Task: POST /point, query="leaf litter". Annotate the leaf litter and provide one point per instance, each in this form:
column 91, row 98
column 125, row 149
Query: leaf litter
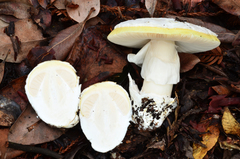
column 205, row 123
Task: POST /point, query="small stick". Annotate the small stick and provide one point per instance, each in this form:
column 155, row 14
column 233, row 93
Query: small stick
column 33, row 149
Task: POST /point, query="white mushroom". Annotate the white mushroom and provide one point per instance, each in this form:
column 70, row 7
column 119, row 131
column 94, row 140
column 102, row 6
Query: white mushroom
column 105, row 112
column 53, row 90
column 160, row 39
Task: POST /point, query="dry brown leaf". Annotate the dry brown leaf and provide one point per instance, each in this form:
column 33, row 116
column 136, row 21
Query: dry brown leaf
column 81, row 12
column 187, row 61
column 7, row 153
column 209, row 139
column 2, row 68
column 30, row 130
column 229, row 123
column 229, row 143
column 150, row 6
column 230, row 6
column 62, row 43
column 29, row 36
column 221, row 90
column 13, row 89
column 18, row 10
column 9, row 111
column 59, row 4
column 92, row 55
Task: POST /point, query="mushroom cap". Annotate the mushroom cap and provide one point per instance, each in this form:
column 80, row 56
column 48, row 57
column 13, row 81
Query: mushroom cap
column 188, row 37
column 53, row 90
column 105, row 112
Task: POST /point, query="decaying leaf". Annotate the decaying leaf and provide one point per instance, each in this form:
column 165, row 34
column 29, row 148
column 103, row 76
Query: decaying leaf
column 229, row 123
column 18, row 10
column 30, row 130
column 187, row 61
column 29, row 36
column 209, row 139
column 13, row 89
column 2, row 68
column 150, row 6
column 92, row 55
column 9, row 111
column 78, row 10
column 7, row 153
column 221, row 89
column 230, row 6
column 219, row 101
column 229, row 144
column 64, row 40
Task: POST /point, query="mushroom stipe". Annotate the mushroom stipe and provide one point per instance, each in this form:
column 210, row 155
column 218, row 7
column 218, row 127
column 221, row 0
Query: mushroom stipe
column 160, row 40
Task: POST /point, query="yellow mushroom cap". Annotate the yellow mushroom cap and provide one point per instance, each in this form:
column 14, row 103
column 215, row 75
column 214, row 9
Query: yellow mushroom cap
column 188, row 37
column 105, row 112
column 53, row 90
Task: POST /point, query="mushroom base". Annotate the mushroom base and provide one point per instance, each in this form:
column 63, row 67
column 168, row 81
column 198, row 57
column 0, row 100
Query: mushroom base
column 149, row 109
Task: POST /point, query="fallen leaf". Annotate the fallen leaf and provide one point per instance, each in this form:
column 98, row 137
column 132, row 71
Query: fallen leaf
column 158, row 145
column 229, row 123
column 91, row 53
column 221, row 90
column 201, row 126
column 38, row 55
column 151, row 6
column 229, row 144
column 219, row 101
column 7, row 153
column 9, row 111
column 80, row 13
column 187, row 61
column 2, row 67
column 62, row 43
column 30, row 130
column 29, row 36
column 230, row 6
column 43, row 18
column 224, row 35
column 209, row 139
column 18, row 10
column 43, row 3
column 11, row 91
column 59, row 4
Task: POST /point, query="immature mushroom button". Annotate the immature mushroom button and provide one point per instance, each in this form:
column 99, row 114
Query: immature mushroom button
column 160, row 39
column 105, row 112
column 53, row 90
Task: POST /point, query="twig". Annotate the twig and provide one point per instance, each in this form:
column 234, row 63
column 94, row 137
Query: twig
column 214, row 70
column 33, row 149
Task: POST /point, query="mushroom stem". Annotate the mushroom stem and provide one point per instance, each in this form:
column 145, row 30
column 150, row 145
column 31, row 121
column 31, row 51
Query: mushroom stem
column 160, row 67
column 161, row 90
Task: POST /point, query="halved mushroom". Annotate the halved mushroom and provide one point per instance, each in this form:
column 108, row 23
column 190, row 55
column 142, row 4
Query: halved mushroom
column 160, row 39
column 53, row 90
column 105, row 112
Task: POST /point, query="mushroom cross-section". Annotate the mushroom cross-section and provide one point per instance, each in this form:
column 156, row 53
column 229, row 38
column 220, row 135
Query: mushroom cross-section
column 105, row 113
column 53, row 90
column 160, row 39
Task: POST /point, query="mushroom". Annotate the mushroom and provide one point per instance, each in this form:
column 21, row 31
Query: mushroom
column 105, row 114
column 160, row 39
column 53, row 90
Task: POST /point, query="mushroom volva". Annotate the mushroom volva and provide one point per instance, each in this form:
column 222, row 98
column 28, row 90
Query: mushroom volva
column 53, row 90
column 160, row 40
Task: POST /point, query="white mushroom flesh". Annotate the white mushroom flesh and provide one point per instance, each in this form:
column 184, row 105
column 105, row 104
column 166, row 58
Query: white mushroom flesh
column 53, row 90
column 105, row 112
